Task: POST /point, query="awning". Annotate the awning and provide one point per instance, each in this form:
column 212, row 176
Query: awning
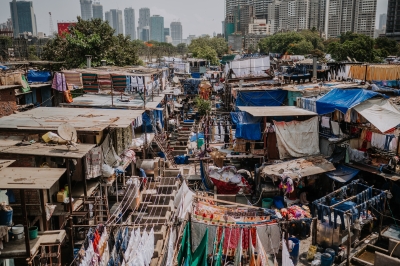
column 343, row 173
column 276, row 111
column 380, row 112
column 300, row 167
column 343, row 100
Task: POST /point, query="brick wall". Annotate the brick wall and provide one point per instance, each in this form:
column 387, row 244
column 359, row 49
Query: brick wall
column 20, row 160
column 8, row 103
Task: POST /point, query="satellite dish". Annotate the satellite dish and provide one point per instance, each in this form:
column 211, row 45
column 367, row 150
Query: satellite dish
column 176, row 80
column 69, row 134
column 349, row 59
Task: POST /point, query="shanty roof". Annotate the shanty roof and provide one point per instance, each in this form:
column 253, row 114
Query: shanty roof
column 5, row 163
column 261, row 111
column 105, row 101
column 29, row 178
column 300, row 167
column 84, row 120
column 8, row 145
column 128, row 71
column 6, row 87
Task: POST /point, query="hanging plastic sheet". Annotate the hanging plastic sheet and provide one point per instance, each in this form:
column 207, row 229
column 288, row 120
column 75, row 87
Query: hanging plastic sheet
column 147, row 125
column 343, row 100
column 343, row 173
column 191, row 86
column 247, row 126
column 39, row 76
column 297, row 138
column 261, row 98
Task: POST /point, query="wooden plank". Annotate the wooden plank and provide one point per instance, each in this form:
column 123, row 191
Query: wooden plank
column 29, row 178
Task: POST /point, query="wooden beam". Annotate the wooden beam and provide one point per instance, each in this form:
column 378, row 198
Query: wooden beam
column 228, row 202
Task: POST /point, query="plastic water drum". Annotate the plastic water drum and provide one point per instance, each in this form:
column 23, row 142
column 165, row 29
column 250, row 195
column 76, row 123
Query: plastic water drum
column 295, row 250
column 279, row 202
column 332, row 252
column 267, row 203
column 326, row 259
column 6, row 217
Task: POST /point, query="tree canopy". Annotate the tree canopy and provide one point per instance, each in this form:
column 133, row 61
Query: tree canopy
column 92, row 37
column 208, row 48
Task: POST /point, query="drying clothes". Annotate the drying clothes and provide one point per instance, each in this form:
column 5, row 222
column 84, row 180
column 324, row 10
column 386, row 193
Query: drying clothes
column 325, row 122
column 73, row 78
column 262, row 257
column 378, row 141
column 110, row 156
column 199, row 257
column 185, row 250
column 286, row 261
column 336, row 129
column 232, row 236
column 356, row 155
column 270, row 238
column 198, row 231
column 90, row 83
column 239, row 250
column 119, row 82
column 59, row 82
column 171, row 247
column 183, row 200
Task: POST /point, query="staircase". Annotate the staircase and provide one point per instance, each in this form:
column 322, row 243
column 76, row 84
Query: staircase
column 156, row 210
column 163, row 147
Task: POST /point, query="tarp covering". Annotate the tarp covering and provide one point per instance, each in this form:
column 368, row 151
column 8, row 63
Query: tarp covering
column 343, row 100
column 255, row 67
column 276, row 111
column 300, row 167
column 297, row 138
column 379, row 112
column 191, row 86
column 39, row 76
column 261, row 98
column 343, row 173
column 247, row 126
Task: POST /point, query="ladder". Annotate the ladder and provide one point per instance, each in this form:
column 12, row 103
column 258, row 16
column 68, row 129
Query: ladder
column 168, row 155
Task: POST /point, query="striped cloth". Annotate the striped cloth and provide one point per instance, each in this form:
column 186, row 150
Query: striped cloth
column 104, row 80
column 73, row 78
column 119, row 82
column 90, row 83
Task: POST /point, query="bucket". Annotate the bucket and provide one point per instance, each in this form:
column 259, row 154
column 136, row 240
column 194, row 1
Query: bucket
column 200, row 143
column 267, row 203
column 33, row 232
column 295, row 250
column 6, row 217
column 332, row 252
column 279, row 202
column 17, row 229
column 326, row 259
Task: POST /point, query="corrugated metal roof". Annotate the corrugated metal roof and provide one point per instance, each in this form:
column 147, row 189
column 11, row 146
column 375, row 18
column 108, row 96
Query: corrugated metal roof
column 261, row 111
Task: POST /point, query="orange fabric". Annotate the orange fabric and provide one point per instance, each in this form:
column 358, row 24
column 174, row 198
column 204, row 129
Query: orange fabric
column 68, row 96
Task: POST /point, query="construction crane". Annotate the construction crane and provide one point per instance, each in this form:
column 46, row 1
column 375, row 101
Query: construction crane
column 51, row 29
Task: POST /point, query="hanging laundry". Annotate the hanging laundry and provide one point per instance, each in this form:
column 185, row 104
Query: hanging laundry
column 185, row 250
column 199, row 257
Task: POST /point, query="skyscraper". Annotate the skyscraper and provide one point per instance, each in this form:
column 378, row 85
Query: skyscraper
column 86, row 9
column 176, row 32
column 23, row 17
column 114, row 18
column 144, row 23
column 382, row 21
column 157, row 28
column 166, row 32
column 97, row 11
column 393, row 20
column 130, row 23
column 364, row 17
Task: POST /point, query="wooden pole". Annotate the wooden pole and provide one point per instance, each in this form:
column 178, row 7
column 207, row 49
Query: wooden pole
column 348, row 239
column 25, row 216
column 228, row 202
column 43, row 206
column 71, row 232
column 381, row 220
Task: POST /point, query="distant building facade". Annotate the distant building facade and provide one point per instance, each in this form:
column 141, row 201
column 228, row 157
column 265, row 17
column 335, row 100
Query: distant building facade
column 157, row 28
column 115, row 19
column 97, row 11
column 393, row 20
column 86, row 9
column 23, row 17
column 143, row 30
column 176, row 32
column 130, row 23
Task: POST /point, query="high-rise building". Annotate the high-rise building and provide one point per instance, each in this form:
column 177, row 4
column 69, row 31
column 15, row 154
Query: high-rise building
column 23, row 17
column 382, row 21
column 230, row 5
column 364, row 17
column 130, row 23
column 97, row 11
column 114, row 18
column 176, row 32
column 261, row 8
column 393, row 20
column 157, row 28
column 86, row 9
column 166, row 32
column 144, row 24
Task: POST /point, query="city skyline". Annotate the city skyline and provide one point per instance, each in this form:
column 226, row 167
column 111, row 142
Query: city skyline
column 205, row 22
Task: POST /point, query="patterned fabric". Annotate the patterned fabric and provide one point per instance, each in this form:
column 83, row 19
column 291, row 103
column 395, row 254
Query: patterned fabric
column 119, row 82
column 94, row 162
column 59, row 82
column 90, row 83
column 73, row 78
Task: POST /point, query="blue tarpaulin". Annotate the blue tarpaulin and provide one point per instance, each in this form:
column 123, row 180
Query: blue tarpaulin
column 343, row 173
column 343, row 100
column 261, row 98
column 247, row 126
column 195, row 136
column 157, row 115
column 39, row 76
column 191, row 86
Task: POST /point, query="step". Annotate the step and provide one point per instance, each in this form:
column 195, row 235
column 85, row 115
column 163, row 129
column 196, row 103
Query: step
column 166, row 189
column 168, row 180
column 162, row 199
column 154, row 262
column 154, row 219
column 159, row 209
column 171, row 172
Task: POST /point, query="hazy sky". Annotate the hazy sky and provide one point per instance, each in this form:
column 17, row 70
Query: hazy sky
column 197, row 17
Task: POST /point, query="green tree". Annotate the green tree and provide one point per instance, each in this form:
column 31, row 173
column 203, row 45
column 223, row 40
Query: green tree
column 218, row 45
column 91, row 37
column 203, row 106
column 280, row 42
column 207, row 53
column 353, row 45
column 182, row 48
column 386, row 47
column 301, row 48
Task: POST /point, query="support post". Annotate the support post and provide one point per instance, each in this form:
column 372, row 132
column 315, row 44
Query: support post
column 43, row 206
column 71, row 232
column 348, row 239
column 25, row 217
column 381, row 220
